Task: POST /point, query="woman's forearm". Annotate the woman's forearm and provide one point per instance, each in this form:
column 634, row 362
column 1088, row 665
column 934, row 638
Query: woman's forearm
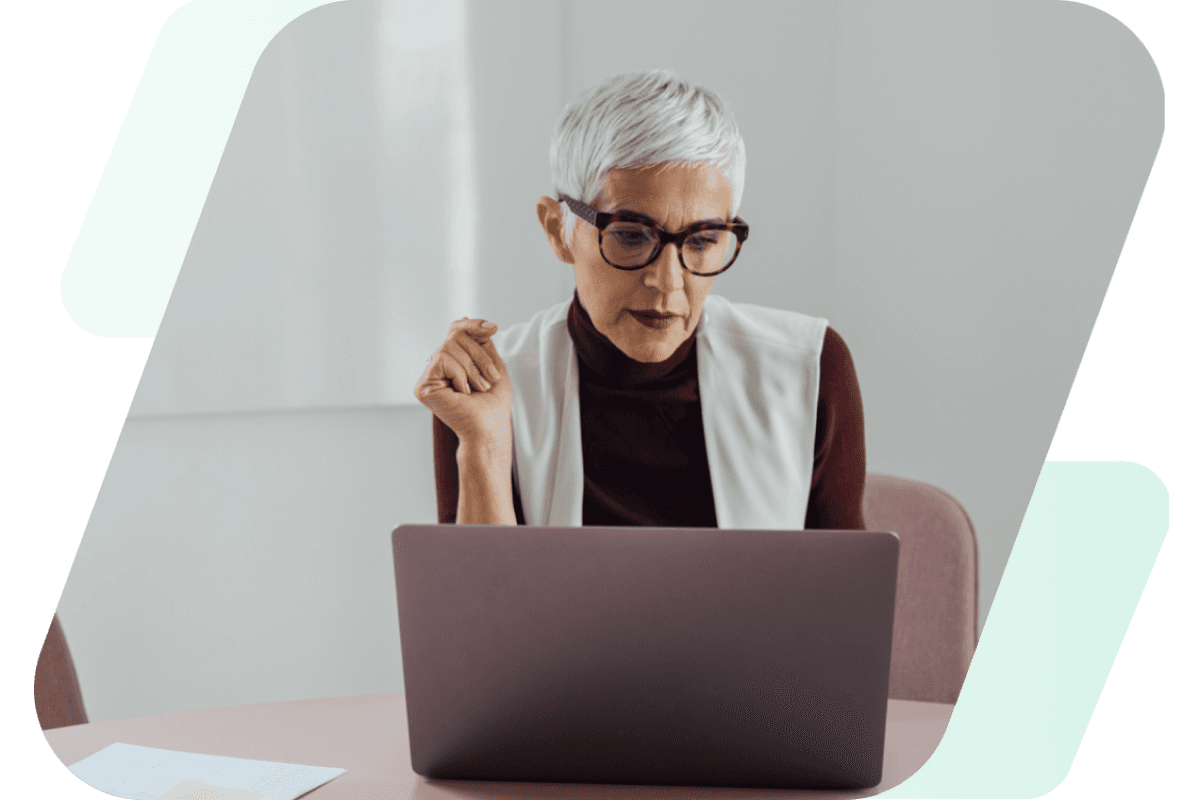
column 485, row 483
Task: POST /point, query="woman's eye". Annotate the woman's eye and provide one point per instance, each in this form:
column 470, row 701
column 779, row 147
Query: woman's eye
column 631, row 238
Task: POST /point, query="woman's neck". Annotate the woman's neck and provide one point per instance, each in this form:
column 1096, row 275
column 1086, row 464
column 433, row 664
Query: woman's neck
column 607, row 362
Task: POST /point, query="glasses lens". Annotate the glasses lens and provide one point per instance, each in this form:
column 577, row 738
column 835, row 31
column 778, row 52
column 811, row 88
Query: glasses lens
column 628, row 244
column 707, row 252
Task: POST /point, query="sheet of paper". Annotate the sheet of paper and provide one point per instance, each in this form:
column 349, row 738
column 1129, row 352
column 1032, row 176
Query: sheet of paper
column 143, row 773
column 199, row 790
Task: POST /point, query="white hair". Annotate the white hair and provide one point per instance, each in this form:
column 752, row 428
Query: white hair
column 642, row 119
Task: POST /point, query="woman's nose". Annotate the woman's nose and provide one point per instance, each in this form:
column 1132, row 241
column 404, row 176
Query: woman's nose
column 665, row 273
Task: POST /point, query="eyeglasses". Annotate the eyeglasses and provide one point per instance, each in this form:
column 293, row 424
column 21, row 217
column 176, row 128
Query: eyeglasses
column 629, row 240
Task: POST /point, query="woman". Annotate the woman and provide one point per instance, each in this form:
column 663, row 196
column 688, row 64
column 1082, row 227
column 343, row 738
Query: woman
column 591, row 413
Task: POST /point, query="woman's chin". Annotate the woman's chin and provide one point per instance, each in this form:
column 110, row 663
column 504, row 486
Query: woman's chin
column 646, row 344
column 651, row 352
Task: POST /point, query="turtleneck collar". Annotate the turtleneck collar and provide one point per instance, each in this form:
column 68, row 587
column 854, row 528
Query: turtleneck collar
column 605, row 360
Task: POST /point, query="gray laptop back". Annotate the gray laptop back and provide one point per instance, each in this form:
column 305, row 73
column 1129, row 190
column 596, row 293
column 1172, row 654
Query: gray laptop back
column 646, row 655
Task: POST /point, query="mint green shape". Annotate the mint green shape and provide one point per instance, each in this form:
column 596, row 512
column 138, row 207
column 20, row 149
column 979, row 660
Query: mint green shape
column 1089, row 539
column 122, row 269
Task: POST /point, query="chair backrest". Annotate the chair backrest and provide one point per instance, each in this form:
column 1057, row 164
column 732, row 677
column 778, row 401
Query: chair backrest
column 445, row 472
column 937, row 593
column 56, row 692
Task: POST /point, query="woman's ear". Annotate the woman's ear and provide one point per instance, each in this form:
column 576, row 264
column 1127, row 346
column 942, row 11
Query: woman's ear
column 550, row 216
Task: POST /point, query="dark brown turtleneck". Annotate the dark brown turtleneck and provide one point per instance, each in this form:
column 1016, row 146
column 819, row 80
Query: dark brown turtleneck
column 644, row 459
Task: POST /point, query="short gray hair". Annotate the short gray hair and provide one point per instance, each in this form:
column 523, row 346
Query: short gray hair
column 641, row 119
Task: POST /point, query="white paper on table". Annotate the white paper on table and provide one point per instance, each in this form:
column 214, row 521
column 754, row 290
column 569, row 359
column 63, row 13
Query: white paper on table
column 199, row 790
column 143, row 773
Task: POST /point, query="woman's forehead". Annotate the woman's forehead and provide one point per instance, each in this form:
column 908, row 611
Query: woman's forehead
column 678, row 191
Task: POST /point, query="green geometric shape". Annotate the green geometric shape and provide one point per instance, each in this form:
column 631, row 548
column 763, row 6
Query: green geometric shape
column 1085, row 550
column 123, row 266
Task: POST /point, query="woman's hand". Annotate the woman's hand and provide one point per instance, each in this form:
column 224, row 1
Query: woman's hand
column 466, row 385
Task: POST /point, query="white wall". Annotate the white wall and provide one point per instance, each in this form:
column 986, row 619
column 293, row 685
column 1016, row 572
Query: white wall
column 246, row 558
column 518, row 93
column 948, row 183
column 239, row 550
column 326, row 264
column 990, row 158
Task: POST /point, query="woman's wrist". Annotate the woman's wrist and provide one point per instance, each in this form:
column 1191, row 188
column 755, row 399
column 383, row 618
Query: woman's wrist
column 485, row 481
column 488, row 452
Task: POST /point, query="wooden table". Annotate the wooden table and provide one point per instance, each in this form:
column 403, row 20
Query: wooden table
column 368, row 736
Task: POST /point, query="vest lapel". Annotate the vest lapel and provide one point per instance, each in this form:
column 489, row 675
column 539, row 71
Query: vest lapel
column 548, row 451
column 758, row 405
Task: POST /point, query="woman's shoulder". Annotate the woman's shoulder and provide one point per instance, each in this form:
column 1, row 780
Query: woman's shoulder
column 836, row 363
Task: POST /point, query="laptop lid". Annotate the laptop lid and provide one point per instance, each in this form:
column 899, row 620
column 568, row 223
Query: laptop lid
column 646, row 655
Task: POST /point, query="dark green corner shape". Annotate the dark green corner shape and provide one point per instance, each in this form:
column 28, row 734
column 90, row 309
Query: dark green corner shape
column 1090, row 536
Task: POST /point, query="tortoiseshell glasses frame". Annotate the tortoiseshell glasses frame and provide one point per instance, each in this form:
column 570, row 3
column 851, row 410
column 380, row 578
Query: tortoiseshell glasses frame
column 601, row 220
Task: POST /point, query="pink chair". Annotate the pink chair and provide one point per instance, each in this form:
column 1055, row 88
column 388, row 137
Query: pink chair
column 56, row 692
column 937, row 594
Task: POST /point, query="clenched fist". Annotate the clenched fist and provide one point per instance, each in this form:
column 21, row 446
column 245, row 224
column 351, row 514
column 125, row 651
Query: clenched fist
column 466, row 384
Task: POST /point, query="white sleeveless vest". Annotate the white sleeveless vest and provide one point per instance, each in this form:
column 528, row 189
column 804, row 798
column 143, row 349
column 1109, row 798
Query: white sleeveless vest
column 759, row 372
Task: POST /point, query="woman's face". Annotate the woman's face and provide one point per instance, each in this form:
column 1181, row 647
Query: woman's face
column 620, row 301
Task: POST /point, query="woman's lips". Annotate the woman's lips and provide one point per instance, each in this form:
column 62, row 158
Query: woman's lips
column 653, row 319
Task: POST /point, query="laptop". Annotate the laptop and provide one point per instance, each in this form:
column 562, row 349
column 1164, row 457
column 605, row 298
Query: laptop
column 747, row 658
